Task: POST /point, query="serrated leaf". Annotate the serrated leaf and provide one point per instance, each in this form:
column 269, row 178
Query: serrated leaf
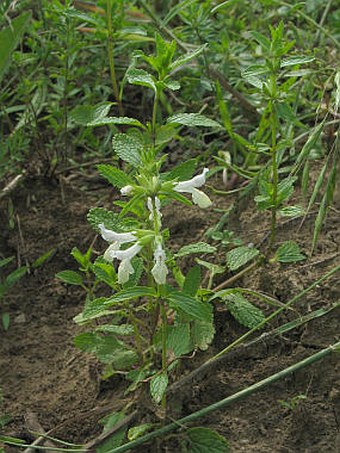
column 107, row 348
column 137, row 431
column 239, row 256
column 193, row 119
column 203, row 440
column 285, row 189
column 85, row 114
column 202, row 333
column 298, row 59
column 198, row 247
column 115, row 176
column 115, row 120
column 183, row 171
column 70, row 277
column 108, row 218
column 128, row 148
column 178, row 339
column 292, row 211
column 158, row 386
column 140, row 77
column 122, row 329
column 192, row 281
column 289, row 252
column 193, row 308
column 243, row 311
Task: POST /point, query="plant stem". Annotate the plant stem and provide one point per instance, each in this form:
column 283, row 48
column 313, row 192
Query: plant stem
column 154, row 118
column 230, row 399
column 111, row 58
column 275, row 173
column 164, row 346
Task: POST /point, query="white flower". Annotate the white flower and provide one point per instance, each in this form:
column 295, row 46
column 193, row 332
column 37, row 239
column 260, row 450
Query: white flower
column 125, row 268
column 159, row 271
column 154, row 207
column 112, row 236
column 125, row 256
column 190, row 186
column 126, row 190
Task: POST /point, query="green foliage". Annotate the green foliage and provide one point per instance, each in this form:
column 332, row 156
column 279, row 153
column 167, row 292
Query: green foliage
column 158, row 385
column 243, row 311
column 199, row 247
column 289, row 252
column 240, row 256
column 10, row 38
column 201, row 440
column 6, row 283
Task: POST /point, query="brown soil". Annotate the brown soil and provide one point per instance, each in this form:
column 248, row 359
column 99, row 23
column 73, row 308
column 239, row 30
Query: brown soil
column 44, row 376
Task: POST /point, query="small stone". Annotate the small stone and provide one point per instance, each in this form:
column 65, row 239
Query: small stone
column 20, row 319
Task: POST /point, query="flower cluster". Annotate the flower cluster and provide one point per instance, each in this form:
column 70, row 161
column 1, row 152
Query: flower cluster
column 159, row 270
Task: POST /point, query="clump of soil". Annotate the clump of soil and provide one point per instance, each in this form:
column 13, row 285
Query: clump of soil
column 43, row 374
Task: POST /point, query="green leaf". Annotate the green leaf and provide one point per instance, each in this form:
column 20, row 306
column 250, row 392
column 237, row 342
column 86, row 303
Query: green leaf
column 193, row 308
column 261, row 39
column 5, row 261
column 158, row 386
column 85, row 114
column 193, row 120
column 309, row 145
column 16, row 275
column 213, row 268
column 122, row 329
column 202, row 333
column 137, row 431
column 178, row 339
column 108, row 218
column 141, row 77
column 203, row 440
column 298, row 59
column 116, row 177
column 285, row 189
column 70, row 277
column 182, row 172
column 9, row 39
column 132, row 293
column 115, row 120
column 107, row 348
column 188, row 57
column 43, row 258
column 116, row 439
column 82, row 259
column 239, row 256
column 192, row 281
column 291, row 211
column 289, row 252
column 198, row 247
column 243, row 311
column 128, row 148
column 5, row 321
